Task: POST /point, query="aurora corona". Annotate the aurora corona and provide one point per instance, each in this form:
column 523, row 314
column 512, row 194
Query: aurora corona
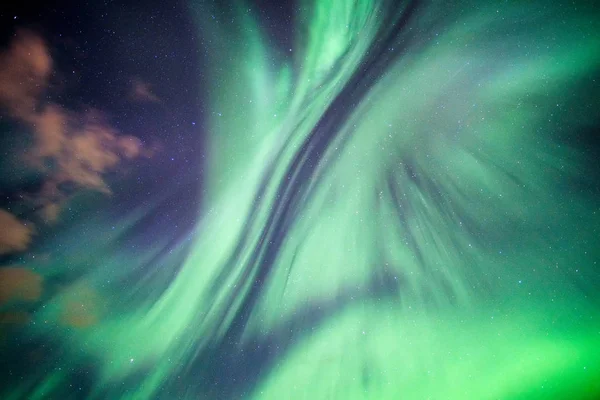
column 401, row 204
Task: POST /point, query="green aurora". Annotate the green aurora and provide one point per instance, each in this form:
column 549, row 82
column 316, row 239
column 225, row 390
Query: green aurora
column 400, row 206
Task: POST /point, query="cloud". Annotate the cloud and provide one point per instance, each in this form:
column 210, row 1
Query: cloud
column 14, row 235
column 50, row 211
column 50, row 130
column 24, row 71
column 80, row 307
column 141, row 91
column 19, row 284
column 14, row 317
column 88, row 153
column 73, row 149
column 78, row 149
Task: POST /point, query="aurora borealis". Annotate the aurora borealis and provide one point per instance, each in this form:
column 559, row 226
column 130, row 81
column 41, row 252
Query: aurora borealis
column 326, row 199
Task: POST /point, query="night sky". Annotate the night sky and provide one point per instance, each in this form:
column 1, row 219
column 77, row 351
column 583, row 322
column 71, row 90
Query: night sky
column 311, row 199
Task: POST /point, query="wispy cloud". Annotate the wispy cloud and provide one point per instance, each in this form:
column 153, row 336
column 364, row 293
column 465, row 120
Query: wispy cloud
column 142, row 92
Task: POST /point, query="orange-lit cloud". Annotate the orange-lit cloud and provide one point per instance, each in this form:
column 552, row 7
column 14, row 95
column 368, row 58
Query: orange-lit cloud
column 69, row 147
column 81, row 307
column 14, row 234
column 14, row 317
column 50, row 129
column 49, row 211
column 19, row 284
column 82, row 155
column 24, row 71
